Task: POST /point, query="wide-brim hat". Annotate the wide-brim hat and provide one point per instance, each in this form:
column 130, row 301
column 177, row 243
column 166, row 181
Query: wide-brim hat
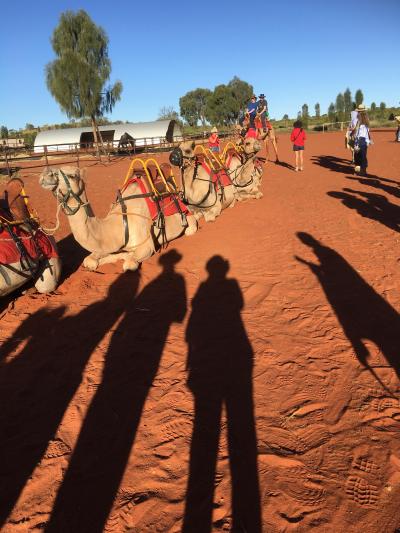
column 261, row 95
column 214, row 130
column 361, row 107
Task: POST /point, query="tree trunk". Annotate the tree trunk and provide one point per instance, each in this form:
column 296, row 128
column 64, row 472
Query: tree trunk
column 97, row 137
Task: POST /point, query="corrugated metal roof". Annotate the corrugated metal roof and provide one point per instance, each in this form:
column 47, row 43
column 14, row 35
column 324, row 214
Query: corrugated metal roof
column 151, row 131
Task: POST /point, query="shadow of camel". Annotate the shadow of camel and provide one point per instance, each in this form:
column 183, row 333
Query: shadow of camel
column 376, row 183
column 220, row 363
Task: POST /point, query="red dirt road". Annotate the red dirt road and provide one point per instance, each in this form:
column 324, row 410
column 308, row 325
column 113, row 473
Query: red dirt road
column 260, row 398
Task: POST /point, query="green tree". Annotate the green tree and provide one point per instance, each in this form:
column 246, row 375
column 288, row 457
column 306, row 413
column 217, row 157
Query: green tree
column 222, row 107
column 167, row 113
column 29, row 126
column 382, row 109
column 285, row 117
column 331, row 112
column 348, row 102
column 77, row 78
column 359, row 97
column 3, row 132
column 242, row 91
column 193, row 106
column 305, row 115
column 317, row 110
column 340, row 106
column 373, row 110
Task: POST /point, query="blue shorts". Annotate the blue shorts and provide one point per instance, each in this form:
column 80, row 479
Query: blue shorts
column 296, row 148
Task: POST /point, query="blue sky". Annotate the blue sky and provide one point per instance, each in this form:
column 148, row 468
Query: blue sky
column 294, row 51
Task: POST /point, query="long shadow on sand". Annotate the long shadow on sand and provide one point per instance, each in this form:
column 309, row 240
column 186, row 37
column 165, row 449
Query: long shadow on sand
column 336, row 164
column 37, row 385
column 379, row 183
column 220, row 363
column 370, row 205
column 108, row 432
column 362, row 312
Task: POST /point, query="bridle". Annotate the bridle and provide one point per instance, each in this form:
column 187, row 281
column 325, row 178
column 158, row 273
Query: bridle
column 63, row 198
column 211, row 187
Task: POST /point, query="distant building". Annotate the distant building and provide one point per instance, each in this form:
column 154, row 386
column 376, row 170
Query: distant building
column 143, row 134
column 12, row 143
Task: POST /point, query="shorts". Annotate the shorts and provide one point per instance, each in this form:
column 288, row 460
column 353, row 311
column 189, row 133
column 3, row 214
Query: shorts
column 297, row 148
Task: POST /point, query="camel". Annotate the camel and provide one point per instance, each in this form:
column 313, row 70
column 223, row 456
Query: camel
column 245, row 169
column 269, row 135
column 26, row 252
column 205, row 191
column 129, row 232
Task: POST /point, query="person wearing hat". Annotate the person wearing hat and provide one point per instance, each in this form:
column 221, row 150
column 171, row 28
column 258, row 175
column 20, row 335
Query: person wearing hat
column 213, row 140
column 362, row 139
column 262, row 111
column 252, row 110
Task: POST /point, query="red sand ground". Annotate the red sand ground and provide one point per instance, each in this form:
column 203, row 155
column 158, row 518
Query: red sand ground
column 108, row 421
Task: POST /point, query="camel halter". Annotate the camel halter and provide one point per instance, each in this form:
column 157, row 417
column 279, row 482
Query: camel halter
column 64, row 198
column 195, row 177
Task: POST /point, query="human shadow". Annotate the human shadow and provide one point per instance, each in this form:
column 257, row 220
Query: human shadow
column 285, row 165
column 370, row 205
column 376, row 183
column 38, row 384
column 336, row 164
column 220, row 364
column 108, row 432
column 361, row 311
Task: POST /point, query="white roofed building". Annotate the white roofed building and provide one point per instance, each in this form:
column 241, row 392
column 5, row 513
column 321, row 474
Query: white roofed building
column 143, row 133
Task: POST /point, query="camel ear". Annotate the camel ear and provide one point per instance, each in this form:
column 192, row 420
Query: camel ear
column 193, row 145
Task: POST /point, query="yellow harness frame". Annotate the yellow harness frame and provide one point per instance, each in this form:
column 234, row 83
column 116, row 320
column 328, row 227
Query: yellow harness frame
column 144, row 165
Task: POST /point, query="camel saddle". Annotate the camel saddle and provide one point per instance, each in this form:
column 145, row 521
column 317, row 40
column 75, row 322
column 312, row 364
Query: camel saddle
column 12, row 206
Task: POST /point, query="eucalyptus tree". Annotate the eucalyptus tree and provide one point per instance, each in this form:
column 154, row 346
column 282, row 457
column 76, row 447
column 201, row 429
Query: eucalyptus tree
column 78, row 77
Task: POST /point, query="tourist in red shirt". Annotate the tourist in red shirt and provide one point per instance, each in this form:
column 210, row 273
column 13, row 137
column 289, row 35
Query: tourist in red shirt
column 298, row 136
column 213, row 140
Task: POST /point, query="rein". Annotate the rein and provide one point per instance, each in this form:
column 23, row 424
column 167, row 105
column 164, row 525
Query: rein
column 195, row 177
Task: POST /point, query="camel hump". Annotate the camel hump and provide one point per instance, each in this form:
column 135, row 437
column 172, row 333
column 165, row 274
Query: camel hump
column 15, row 199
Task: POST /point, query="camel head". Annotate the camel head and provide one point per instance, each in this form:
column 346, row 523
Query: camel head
column 251, row 145
column 61, row 180
column 182, row 155
column 67, row 185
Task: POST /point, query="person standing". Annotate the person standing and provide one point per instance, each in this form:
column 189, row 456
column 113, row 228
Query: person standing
column 298, row 136
column 397, row 119
column 362, row 140
column 213, row 141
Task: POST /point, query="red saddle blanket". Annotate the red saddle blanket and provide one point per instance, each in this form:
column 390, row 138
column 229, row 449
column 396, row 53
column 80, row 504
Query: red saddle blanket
column 36, row 245
column 167, row 204
column 219, row 178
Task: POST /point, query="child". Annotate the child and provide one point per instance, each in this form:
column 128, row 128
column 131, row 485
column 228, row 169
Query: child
column 298, row 136
column 213, row 140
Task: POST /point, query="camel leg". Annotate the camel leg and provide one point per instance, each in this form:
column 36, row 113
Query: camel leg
column 192, row 226
column 48, row 280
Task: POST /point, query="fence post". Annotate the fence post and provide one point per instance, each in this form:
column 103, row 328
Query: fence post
column 45, row 155
column 77, row 155
column 8, row 166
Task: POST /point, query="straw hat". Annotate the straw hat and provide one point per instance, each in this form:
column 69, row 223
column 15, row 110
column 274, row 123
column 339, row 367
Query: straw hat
column 361, row 107
column 214, row 130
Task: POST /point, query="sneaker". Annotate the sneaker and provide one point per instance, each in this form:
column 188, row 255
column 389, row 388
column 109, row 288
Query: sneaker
column 296, row 169
column 301, row 168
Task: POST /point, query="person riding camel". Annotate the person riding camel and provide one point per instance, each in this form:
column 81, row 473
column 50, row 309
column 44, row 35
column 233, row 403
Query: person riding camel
column 252, row 111
column 213, row 140
column 262, row 111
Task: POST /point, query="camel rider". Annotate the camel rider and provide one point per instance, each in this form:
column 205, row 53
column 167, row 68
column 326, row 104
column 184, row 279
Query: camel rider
column 252, row 110
column 397, row 119
column 262, row 111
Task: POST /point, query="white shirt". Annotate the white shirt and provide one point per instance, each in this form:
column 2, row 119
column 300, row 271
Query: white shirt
column 354, row 118
column 363, row 131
